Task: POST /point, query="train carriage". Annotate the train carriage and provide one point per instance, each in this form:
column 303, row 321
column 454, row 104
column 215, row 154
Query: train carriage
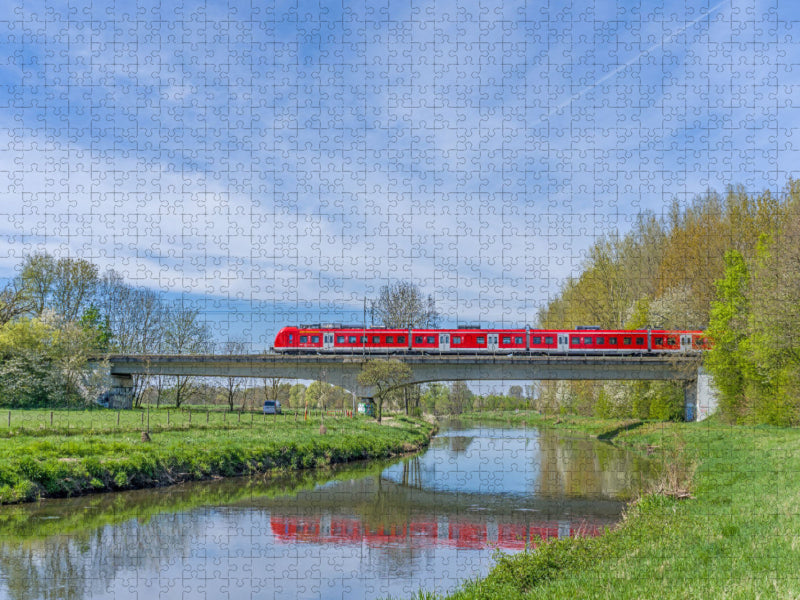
column 474, row 340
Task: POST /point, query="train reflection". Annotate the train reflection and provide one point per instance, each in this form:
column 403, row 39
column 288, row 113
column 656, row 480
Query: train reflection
column 442, row 532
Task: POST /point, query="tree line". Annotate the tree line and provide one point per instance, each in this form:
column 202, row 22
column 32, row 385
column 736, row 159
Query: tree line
column 58, row 312
column 725, row 263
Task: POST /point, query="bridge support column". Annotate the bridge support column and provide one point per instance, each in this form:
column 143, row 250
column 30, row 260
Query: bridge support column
column 706, row 395
column 699, row 397
column 121, row 393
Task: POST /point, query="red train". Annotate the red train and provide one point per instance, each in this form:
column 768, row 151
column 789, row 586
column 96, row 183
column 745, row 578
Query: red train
column 470, row 340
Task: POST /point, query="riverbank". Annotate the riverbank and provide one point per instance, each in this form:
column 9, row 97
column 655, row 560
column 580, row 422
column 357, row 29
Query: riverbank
column 723, row 521
column 70, row 453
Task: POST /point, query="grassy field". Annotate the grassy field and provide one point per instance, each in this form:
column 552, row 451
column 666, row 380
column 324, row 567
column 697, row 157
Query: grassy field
column 65, row 453
column 736, row 536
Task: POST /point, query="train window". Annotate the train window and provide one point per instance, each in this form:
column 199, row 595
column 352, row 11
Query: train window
column 401, row 339
column 291, row 337
column 517, row 340
column 376, row 339
column 672, row 341
column 548, row 339
column 506, row 339
column 363, row 339
column 626, row 341
column 480, row 340
column 612, row 341
column 340, row 339
column 303, row 339
column 576, row 341
column 537, row 339
column 430, row 340
column 315, row 339
column 587, row 341
column 390, row 339
column 417, row 339
column 600, row 340
column 658, row 341
column 351, row 339
column 639, row 341
column 456, row 339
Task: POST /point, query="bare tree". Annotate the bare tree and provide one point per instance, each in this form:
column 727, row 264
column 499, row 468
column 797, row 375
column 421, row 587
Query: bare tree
column 233, row 383
column 185, row 334
column 136, row 315
column 137, row 318
column 401, row 305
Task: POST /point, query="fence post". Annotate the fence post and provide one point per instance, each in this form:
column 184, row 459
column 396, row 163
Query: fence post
column 208, row 412
column 118, row 411
column 9, row 419
column 167, row 417
column 51, row 419
column 190, row 416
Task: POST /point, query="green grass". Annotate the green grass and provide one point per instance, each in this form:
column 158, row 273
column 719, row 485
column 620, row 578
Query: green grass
column 86, row 451
column 599, row 428
column 738, row 536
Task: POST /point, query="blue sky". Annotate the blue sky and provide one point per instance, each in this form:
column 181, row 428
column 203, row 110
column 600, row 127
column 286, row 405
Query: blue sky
column 283, row 160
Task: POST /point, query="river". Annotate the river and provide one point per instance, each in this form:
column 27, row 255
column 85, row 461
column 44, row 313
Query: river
column 359, row 531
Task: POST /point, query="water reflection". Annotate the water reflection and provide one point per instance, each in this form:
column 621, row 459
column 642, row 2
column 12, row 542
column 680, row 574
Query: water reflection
column 363, row 531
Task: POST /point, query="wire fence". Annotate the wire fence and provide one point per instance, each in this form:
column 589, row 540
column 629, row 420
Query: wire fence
column 76, row 421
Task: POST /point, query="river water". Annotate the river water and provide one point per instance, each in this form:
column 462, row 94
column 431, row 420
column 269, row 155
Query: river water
column 360, row 531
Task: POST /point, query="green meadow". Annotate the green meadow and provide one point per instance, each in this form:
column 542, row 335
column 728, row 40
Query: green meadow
column 67, row 453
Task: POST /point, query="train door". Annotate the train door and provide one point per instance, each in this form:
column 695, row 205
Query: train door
column 327, row 341
column 491, row 340
column 444, row 341
column 686, row 343
column 563, row 342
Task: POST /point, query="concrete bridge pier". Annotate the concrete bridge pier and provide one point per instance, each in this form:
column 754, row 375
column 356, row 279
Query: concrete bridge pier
column 699, row 397
column 121, row 393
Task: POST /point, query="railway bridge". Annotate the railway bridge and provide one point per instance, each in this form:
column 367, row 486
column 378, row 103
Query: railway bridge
column 343, row 370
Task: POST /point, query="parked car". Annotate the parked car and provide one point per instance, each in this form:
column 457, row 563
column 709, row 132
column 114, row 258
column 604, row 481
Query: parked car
column 272, row 407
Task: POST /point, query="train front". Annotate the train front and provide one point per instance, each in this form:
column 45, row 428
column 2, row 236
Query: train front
column 286, row 340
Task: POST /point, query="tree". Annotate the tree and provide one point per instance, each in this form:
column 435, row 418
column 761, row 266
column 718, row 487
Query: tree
column 136, row 316
column 297, row 396
column 385, row 376
column 42, row 364
column 774, row 342
column 14, row 302
column 233, row 383
column 436, row 399
column 185, row 334
column 728, row 330
column 65, row 285
column 317, row 394
column 401, row 305
column 461, row 397
column 37, row 278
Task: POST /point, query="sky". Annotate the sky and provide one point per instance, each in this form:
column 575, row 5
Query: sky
column 276, row 163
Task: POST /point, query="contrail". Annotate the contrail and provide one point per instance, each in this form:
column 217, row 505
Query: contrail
column 638, row 56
